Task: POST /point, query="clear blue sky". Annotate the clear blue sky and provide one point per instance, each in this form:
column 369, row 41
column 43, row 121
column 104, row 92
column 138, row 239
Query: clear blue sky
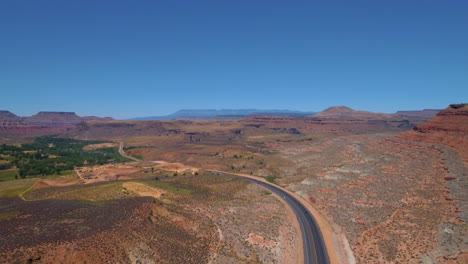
column 138, row 58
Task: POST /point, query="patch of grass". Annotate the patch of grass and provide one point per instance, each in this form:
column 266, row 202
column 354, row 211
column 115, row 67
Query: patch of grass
column 106, row 191
column 170, row 187
column 86, row 201
column 99, row 203
column 8, row 215
column 8, row 175
column 271, row 179
column 14, row 188
column 12, row 192
column 68, row 174
column 140, row 157
column 85, row 193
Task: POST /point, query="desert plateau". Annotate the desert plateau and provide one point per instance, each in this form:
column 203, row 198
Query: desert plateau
column 384, row 188
column 233, row 132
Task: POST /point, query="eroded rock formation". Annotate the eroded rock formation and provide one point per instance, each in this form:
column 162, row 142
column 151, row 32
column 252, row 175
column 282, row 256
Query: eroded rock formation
column 449, row 127
column 42, row 122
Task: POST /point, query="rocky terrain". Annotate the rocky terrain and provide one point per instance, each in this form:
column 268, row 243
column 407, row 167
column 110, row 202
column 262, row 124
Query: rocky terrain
column 389, row 196
column 346, row 113
column 185, row 218
column 200, row 131
column 426, row 113
column 312, row 125
column 53, row 119
column 399, row 198
column 393, row 186
column 335, row 119
column 6, row 116
column 396, row 200
column 449, row 127
column 11, row 124
column 41, row 123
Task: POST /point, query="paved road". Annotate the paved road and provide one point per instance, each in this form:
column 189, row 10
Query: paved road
column 314, row 246
column 315, row 251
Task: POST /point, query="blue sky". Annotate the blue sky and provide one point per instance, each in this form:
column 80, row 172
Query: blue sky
column 139, row 58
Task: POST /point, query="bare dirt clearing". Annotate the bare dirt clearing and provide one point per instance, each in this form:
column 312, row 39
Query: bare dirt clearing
column 143, row 190
column 108, row 172
column 57, row 182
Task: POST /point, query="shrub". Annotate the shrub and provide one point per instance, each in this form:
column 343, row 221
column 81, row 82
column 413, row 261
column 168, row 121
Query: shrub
column 271, row 179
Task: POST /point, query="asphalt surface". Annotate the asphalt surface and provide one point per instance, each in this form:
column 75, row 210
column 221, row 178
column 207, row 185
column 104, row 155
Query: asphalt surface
column 315, row 251
column 314, row 247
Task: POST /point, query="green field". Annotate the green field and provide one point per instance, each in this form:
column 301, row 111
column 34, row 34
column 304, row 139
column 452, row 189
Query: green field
column 50, row 155
column 14, row 188
column 90, row 193
column 8, row 175
column 8, row 215
column 168, row 186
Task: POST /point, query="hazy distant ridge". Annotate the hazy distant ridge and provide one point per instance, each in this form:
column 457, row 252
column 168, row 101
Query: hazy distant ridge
column 421, row 113
column 212, row 113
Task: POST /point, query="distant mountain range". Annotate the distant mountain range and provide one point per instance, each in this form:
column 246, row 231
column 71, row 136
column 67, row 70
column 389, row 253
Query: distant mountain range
column 346, row 113
column 422, row 113
column 15, row 128
column 223, row 113
column 44, row 118
column 42, row 122
column 337, row 112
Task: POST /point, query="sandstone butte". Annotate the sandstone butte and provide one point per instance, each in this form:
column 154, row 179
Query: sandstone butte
column 449, row 127
column 42, row 122
column 343, row 112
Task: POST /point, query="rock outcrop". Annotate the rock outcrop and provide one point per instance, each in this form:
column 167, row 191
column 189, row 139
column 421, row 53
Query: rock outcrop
column 312, row 125
column 41, row 123
column 346, row 113
column 53, row 119
column 449, row 127
column 8, row 119
column 426, row 113
column 95, row 118
column 7, row 115
column 110, row 129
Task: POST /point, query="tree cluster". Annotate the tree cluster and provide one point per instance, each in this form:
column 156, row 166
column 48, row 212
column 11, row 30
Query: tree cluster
column 50, row 155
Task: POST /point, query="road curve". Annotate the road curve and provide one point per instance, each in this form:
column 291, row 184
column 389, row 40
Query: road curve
column 315, row 251
column 122, row 152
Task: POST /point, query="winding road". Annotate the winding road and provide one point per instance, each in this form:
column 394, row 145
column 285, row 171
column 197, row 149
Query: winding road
column 315, row 251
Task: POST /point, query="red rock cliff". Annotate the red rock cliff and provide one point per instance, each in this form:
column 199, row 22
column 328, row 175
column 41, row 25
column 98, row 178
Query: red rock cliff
column 449, row 127
column 41, row 123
